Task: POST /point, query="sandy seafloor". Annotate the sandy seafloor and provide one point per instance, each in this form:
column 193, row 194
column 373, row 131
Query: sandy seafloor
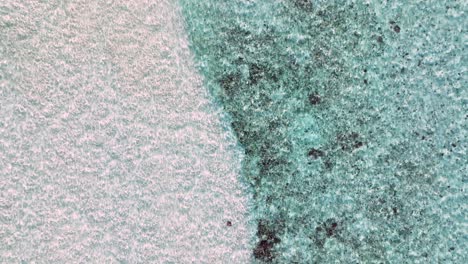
column 110, row 148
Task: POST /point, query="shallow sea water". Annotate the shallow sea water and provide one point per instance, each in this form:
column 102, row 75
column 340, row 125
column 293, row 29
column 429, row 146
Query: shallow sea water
column 353, row 119
column 305, row 131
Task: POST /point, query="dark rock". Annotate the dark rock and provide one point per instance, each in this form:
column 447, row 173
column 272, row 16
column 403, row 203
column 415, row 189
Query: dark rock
column 331, row 229
column 315, row 153
column 314, row 98
column 268, row 239
column 263, row 250
column 349, row 141
column 358, row 144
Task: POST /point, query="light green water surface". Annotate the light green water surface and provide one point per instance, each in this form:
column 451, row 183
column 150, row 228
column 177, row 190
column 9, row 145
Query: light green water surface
column 353, row 118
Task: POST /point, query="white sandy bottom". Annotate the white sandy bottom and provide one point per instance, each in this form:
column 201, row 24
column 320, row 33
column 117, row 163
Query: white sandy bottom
column 110, row 150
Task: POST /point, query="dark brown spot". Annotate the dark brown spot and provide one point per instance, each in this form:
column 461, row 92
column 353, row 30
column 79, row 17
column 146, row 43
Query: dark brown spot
column 349, row 141
column 315, row 153
column 263, row 250
column 331, row 229
column 314, row 99
column 396, row 28
column 268, row 239
column 229, row 223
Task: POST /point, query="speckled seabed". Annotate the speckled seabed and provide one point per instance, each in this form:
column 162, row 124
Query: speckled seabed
column 110, row 148
column 353, row 118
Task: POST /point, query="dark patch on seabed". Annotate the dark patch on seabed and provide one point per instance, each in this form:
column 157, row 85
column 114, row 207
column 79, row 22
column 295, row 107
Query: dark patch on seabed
column 353, row 120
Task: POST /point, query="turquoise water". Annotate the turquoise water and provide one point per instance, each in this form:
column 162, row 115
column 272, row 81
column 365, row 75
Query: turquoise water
column 353, row 118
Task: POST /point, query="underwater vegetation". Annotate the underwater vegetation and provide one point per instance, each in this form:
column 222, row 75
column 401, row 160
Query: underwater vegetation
column 353, row 119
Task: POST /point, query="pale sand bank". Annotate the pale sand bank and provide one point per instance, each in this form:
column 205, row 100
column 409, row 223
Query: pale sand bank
column 110, row 150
